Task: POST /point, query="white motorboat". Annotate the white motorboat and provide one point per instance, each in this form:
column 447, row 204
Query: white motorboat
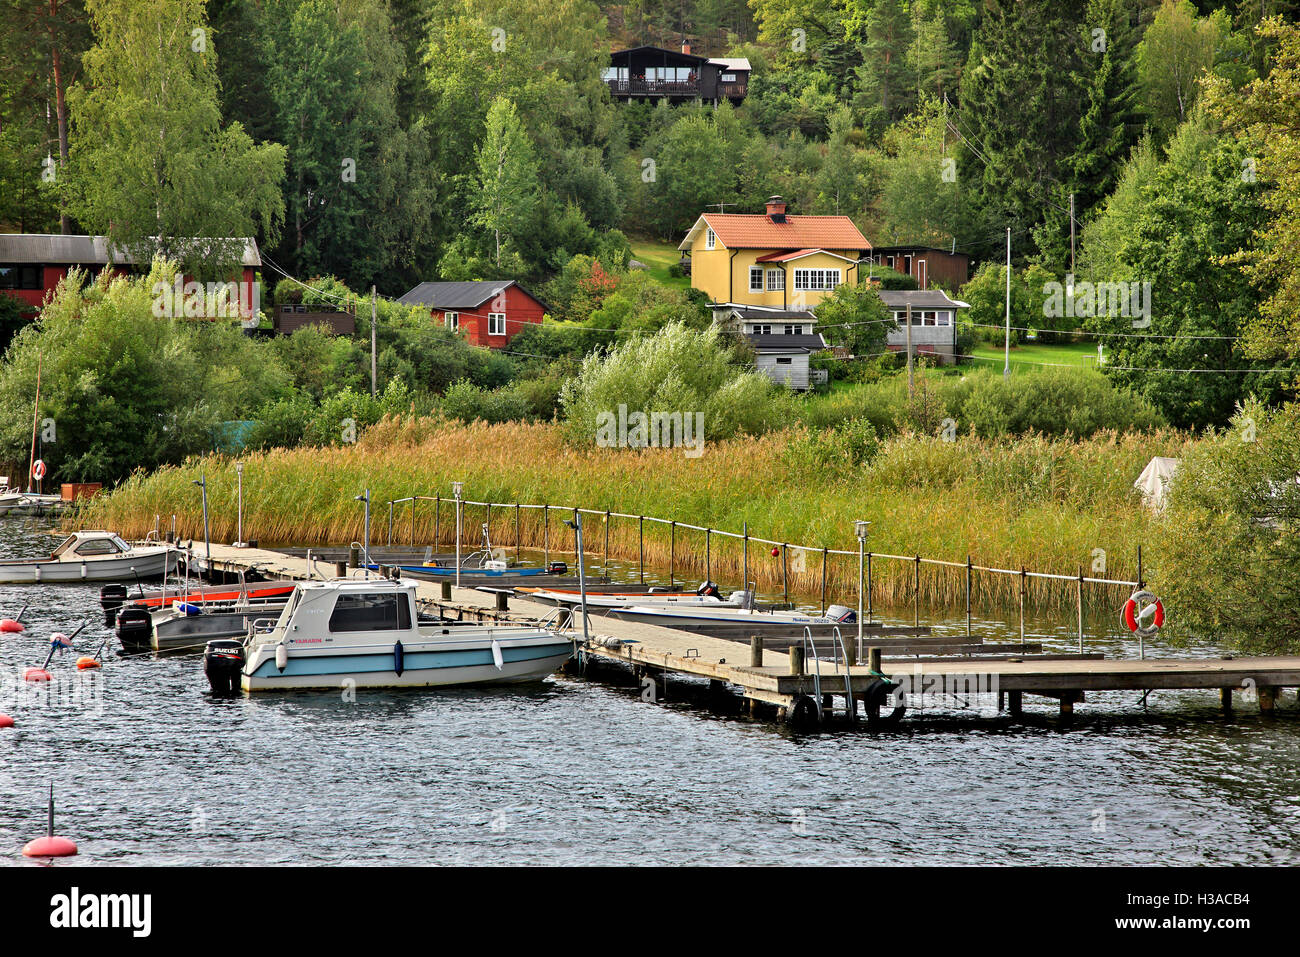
column 602, row 603
column 367, row 634
column 92, row 556
column 701, row 618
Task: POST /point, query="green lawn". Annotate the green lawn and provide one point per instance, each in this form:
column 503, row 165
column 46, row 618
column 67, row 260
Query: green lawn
column 1029, row 356
column 658, row 257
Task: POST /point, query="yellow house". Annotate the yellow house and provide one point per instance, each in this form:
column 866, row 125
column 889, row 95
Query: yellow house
column 772, row 260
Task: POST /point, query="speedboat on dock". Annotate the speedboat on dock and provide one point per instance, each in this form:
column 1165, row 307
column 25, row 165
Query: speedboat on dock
column 92, row 556
column 707, row 597
column 369, row 633
column 706, row 619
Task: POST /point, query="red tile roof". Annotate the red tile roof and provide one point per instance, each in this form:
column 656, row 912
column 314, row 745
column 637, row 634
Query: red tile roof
column 757, row 231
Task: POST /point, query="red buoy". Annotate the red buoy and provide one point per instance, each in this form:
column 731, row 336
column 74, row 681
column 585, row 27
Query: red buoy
column 775, row 551
column 8, row 624
column 6, row 721
column 85, row 661
column 35, row 674
column 49, row 847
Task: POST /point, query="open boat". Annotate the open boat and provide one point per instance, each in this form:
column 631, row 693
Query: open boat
column 92, row 556
column 367, row 634
column 602, row 603
column 703, row 618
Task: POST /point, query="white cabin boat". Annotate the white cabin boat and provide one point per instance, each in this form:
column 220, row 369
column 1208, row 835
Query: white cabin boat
column 92, row 556
column 335, row 633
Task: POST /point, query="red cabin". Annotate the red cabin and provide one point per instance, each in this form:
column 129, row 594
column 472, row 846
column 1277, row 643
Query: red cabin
column 489, row 312
column 32, row 264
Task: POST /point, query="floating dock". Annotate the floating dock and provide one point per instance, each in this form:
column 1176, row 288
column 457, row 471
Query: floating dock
column 774, row 671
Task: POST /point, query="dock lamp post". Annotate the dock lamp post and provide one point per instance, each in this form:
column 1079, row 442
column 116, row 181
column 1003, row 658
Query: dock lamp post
column 202, row 483
column 576, row 525
column 456, row 488
column 365, row 497
column 239, row 512
column 860, row 529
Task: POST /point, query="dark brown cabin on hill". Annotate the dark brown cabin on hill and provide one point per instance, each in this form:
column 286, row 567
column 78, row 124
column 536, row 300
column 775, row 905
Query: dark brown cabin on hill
column 652, row 73
column 925, row 264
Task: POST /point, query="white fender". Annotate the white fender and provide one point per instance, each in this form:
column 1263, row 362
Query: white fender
column 281, row 655
column 496, row 654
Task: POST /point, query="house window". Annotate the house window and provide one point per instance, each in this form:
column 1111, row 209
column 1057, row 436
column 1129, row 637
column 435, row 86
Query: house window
column 816, row 280
column 945, row 318
column 775, row 280
column 794, row 330
column 710, row 239
column 496, row 323
column 453, row 320
column 927, row 319
column 728, row 78
column 20, row 277
column 762, row 329
column 784, row 361
column 755, row 278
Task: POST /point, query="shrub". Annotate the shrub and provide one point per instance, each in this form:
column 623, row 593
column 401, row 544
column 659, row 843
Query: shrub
column 469, row 403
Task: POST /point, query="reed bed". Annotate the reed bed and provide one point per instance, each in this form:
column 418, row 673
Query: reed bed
column 1047, row 505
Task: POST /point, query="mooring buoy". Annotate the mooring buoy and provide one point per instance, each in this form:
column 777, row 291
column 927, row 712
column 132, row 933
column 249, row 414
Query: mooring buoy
column 50, row 845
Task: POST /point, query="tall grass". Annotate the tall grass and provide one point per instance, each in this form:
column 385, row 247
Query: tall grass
column 1041, row 503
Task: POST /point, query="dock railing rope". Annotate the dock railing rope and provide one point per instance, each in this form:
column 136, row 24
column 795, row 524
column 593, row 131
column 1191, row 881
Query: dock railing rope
column 746, row 537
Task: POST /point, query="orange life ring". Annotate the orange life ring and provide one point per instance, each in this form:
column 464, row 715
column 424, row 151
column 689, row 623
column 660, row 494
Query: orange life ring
column 1132, row 614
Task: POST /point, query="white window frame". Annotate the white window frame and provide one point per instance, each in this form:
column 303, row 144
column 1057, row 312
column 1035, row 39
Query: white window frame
column 795, row 330
column 452, row 319
column 755, row 273
column 817, row 280
column 761, row 329
column 493, row 319
column 710, row 238
column 776, row 280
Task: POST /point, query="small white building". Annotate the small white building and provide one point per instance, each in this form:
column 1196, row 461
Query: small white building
column 782, row 340
column 934, row 322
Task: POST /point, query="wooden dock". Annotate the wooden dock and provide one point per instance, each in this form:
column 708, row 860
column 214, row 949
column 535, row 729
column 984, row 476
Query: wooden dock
column 775, row 674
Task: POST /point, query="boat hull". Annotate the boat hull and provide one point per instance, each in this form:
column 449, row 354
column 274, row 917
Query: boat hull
column 426, row 665
column 127, row 567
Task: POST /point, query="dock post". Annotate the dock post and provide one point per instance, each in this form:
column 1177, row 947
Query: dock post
column 437, row 520
column 640, row 527
column 755, row 651
column 916, row 593
column 1067, row 705
column 354, row 557
column 708, row 554
column 1267, row 699
column 1015, row 703
column 446, row 590
column 873, row 661
column 1225, row 699
column 796, row 659
column 516, row 531
column 606, row 565
column 390, row 523
column 340, row 569
column 1022, row 604
column 487, row 520
column 672, row 553
column 785, row 574
column 744, row 575
column 546, row 535
column 576, row 556
column 824, row 554
column 968, row 597
column 413, row 500
column 503, row 601
column 1079, row 606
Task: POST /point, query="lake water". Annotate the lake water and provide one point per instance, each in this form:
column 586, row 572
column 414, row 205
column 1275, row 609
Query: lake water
column 149, row 769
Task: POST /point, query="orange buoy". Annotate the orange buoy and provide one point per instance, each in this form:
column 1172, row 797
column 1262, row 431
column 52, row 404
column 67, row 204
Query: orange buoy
column 8, row 624
column 85, row 661
column 35, row 674
column 49, row 847
column 6, row 721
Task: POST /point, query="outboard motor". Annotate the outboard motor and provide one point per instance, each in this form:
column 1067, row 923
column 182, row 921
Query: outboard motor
column 842, row 614
column 557, row 568
column 223, row 663
column 709, row 589
column 134, row 628
column 111, row 598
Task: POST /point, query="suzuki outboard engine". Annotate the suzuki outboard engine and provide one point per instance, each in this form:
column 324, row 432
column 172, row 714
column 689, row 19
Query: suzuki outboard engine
column 842, row 614
column 557, row 568
column 134, row 628
column 223, row 663
column 111, row 598
column 709, row 588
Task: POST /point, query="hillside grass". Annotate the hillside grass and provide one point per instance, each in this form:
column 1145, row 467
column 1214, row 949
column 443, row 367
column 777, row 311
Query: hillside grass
column 658, row 257
column 1045, row 504
column 1029, row 357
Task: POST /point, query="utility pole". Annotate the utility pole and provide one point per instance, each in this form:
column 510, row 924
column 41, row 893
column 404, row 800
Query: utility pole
column 909, row 349
column 1006, row 367
column 373, row 339
column 1071, row 234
